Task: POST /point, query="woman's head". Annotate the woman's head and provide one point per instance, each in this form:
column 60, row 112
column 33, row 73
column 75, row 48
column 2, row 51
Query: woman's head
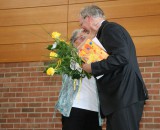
column 78, row 37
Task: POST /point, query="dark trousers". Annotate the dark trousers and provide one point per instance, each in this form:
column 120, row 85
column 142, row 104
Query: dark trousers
column 127, row 118
column 81, row 119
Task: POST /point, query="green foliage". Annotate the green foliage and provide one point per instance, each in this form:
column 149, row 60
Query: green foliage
column 67, row 60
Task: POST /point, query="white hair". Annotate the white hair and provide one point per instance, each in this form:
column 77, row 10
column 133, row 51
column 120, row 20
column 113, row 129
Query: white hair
column 74, row 35
column 92, row 10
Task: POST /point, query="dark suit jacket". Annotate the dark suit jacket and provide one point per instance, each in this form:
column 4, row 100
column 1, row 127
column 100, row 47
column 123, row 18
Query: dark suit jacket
column 122, row 83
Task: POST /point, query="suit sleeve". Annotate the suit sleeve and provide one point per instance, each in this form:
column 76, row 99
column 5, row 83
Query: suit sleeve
column 116, row 43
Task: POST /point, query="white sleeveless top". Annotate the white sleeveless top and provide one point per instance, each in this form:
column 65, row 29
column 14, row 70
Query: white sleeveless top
column 87, row 97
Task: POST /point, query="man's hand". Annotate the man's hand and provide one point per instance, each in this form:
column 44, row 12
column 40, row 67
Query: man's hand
column 87, row 67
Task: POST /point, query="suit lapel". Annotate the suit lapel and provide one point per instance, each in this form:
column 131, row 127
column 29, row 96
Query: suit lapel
column 101, row 28
column 99, row 36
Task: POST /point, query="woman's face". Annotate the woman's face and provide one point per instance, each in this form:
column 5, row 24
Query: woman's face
column 81, row 37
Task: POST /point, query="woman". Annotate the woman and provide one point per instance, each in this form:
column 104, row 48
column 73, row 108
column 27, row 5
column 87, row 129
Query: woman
column 80, row 107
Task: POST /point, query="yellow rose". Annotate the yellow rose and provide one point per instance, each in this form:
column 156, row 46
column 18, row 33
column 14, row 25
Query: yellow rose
column 62, row 40
column 68, row 43
column 56, row 35
column 53, row 55
column 50, row 71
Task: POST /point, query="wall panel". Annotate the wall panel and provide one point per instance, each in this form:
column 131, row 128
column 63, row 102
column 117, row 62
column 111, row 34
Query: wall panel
column 30, row 34
column 7, row 4
column 146, row 36
column 137, row 26
column 24, row 52
column 141, row 26
column 147, row 46
column 38, row 15
column 84, row 1
column 23, row 38
column 120, row 8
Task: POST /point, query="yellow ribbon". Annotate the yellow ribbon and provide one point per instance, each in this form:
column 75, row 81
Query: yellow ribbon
column 78, row 93
column 58, row 63
column 80, row 84
column 74, row 84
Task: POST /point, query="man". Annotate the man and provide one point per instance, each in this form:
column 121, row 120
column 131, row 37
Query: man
column 121, row 88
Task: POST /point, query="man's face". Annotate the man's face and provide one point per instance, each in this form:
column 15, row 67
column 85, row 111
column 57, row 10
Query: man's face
column 85, row 23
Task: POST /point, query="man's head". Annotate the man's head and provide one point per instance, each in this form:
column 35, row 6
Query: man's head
column 90, row 17
column 78, row 37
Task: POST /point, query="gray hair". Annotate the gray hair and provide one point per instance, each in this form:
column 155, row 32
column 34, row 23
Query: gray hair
column 74, row 35
column 92, row 10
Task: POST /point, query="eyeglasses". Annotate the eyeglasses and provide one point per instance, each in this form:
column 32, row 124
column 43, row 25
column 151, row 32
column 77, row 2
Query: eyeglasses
column 79, row 38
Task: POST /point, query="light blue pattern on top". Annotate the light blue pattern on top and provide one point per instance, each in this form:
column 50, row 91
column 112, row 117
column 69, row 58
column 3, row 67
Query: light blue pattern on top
column 67, row 96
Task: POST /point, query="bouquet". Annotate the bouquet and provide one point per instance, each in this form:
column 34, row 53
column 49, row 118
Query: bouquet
column 64, row 59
